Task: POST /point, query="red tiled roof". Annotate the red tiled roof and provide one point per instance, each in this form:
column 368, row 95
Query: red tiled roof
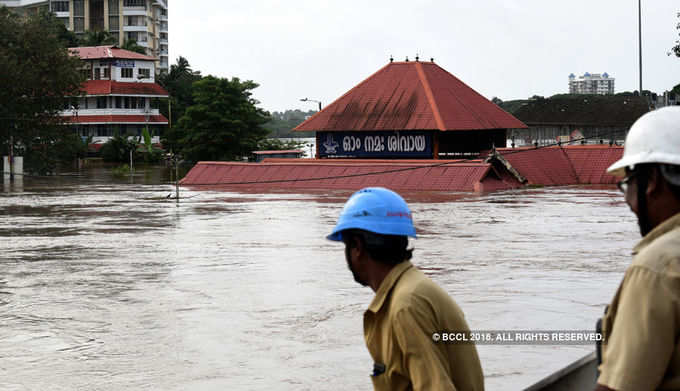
column 411, row 96
column 110, row 87
column 110, row 51
column 115, row 119
column 567, row 165
column 350, row 174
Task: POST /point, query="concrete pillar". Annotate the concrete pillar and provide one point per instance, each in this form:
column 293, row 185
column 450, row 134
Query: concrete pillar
column 121, row 23
column 87, row 15
column 17, row 167
column 71, row 25
column 106, row 15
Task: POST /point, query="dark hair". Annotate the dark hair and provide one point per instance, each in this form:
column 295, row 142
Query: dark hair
column 387, row 249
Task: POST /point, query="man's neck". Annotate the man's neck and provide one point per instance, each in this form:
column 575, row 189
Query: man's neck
column 378, row 273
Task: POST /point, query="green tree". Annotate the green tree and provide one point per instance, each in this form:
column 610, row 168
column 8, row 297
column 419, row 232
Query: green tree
column 133, row 46
column 224, row 123
column 676, row 90
column 676, row 49
column 178, row 82
column 283, row 123
column 118, row 148
column 275, row 144
column 98, row 38
column 37, row 75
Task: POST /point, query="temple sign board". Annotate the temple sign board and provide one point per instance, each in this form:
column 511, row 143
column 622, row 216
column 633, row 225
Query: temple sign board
column 403, row 144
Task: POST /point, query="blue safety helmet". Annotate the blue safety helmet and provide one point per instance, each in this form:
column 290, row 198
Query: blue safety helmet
column 377, row 210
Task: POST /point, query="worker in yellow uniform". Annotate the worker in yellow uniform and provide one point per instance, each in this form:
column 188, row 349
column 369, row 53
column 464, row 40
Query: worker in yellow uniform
column 408, row 308
column 641, row 326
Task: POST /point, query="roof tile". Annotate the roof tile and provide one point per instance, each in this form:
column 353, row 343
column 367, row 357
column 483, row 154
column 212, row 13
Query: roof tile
column 411, row 96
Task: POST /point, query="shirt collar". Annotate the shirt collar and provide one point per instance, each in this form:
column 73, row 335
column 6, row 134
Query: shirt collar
column 387, row 284
column 668, row 225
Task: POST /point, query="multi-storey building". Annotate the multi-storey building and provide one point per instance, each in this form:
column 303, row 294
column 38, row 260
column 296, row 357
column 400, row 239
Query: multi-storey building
column 145, row 21
column 117, row 96
column 591, row 83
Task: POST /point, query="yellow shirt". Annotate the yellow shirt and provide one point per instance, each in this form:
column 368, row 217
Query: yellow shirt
column 398, row 326
column 642, row 325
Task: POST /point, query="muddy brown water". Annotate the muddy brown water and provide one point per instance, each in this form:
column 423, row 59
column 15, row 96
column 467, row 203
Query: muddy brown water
column 105, row 284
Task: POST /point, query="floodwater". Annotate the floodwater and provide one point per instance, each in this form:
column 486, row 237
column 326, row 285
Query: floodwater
column 105, row 284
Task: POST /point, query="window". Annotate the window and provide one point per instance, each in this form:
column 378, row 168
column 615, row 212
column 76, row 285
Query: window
column 79, row 8
column 144, row 73
column 113, row 7
column 135, row 20
column 126, row 73
column 60, row 6
column 85, row 72
column 134, row 3
column 113, row 24
column 97, row 74
column 101, row 102
column 119, row 102
column 107, row 73
column 78, row 25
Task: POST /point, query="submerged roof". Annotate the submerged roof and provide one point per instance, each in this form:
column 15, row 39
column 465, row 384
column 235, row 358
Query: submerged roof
column 351, row 175
column 564, row 165
column 411, row 96
column 109, row 51
column 110, row 87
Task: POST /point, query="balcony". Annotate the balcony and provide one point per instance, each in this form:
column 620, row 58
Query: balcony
column 135, row 28
column 110, row 111
column 132, row 11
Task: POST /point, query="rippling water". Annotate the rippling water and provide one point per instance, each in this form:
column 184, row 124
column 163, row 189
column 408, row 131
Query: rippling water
column 105, row 284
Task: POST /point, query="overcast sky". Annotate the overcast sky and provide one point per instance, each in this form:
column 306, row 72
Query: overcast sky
column 511, row 49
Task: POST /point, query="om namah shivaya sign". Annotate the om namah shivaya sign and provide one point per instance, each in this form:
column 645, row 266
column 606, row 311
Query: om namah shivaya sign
column 406, row 144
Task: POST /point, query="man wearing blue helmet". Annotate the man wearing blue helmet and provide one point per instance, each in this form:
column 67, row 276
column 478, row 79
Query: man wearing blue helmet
column 409, row 310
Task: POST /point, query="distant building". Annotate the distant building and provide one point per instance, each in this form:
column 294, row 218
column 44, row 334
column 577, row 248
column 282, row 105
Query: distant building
column 116, row 95
column 284, row 154
column 591, row 83
column 668, row 98
column 145, row 21
column 600, row 119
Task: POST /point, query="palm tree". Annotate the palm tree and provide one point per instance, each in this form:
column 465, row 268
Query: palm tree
column 98, row 38
column 131, row 45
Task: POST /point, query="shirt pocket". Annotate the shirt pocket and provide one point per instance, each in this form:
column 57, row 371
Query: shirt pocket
column 381, row 382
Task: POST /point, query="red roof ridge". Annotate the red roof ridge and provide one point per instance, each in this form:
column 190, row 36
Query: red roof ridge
column 343, row 95
column 430, row 97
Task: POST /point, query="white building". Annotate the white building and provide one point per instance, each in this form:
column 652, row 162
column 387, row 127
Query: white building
column 591, row 83
column 145, row 21
column 117, row 95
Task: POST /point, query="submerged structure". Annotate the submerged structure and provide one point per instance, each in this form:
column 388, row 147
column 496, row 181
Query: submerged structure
column 410, row 110
column 414, row 126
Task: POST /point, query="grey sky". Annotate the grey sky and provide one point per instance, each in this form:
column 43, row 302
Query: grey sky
column 507, row 48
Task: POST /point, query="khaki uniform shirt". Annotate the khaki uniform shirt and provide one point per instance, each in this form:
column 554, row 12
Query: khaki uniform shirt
column 398, row 326
column 642, row 325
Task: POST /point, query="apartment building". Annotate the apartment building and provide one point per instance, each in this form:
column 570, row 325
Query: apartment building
column 591, row 83
column 117, row 95
column 145, row 21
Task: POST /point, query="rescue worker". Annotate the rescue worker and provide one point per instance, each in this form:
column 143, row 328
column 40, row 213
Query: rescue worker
column 403, row 321
column 641, row 326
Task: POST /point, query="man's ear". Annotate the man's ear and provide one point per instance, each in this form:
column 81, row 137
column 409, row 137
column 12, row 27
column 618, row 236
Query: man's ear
column 655, row 183
column 357, row 244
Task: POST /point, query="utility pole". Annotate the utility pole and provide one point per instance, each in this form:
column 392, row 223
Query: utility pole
column 640, row 40
column 11, row 157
